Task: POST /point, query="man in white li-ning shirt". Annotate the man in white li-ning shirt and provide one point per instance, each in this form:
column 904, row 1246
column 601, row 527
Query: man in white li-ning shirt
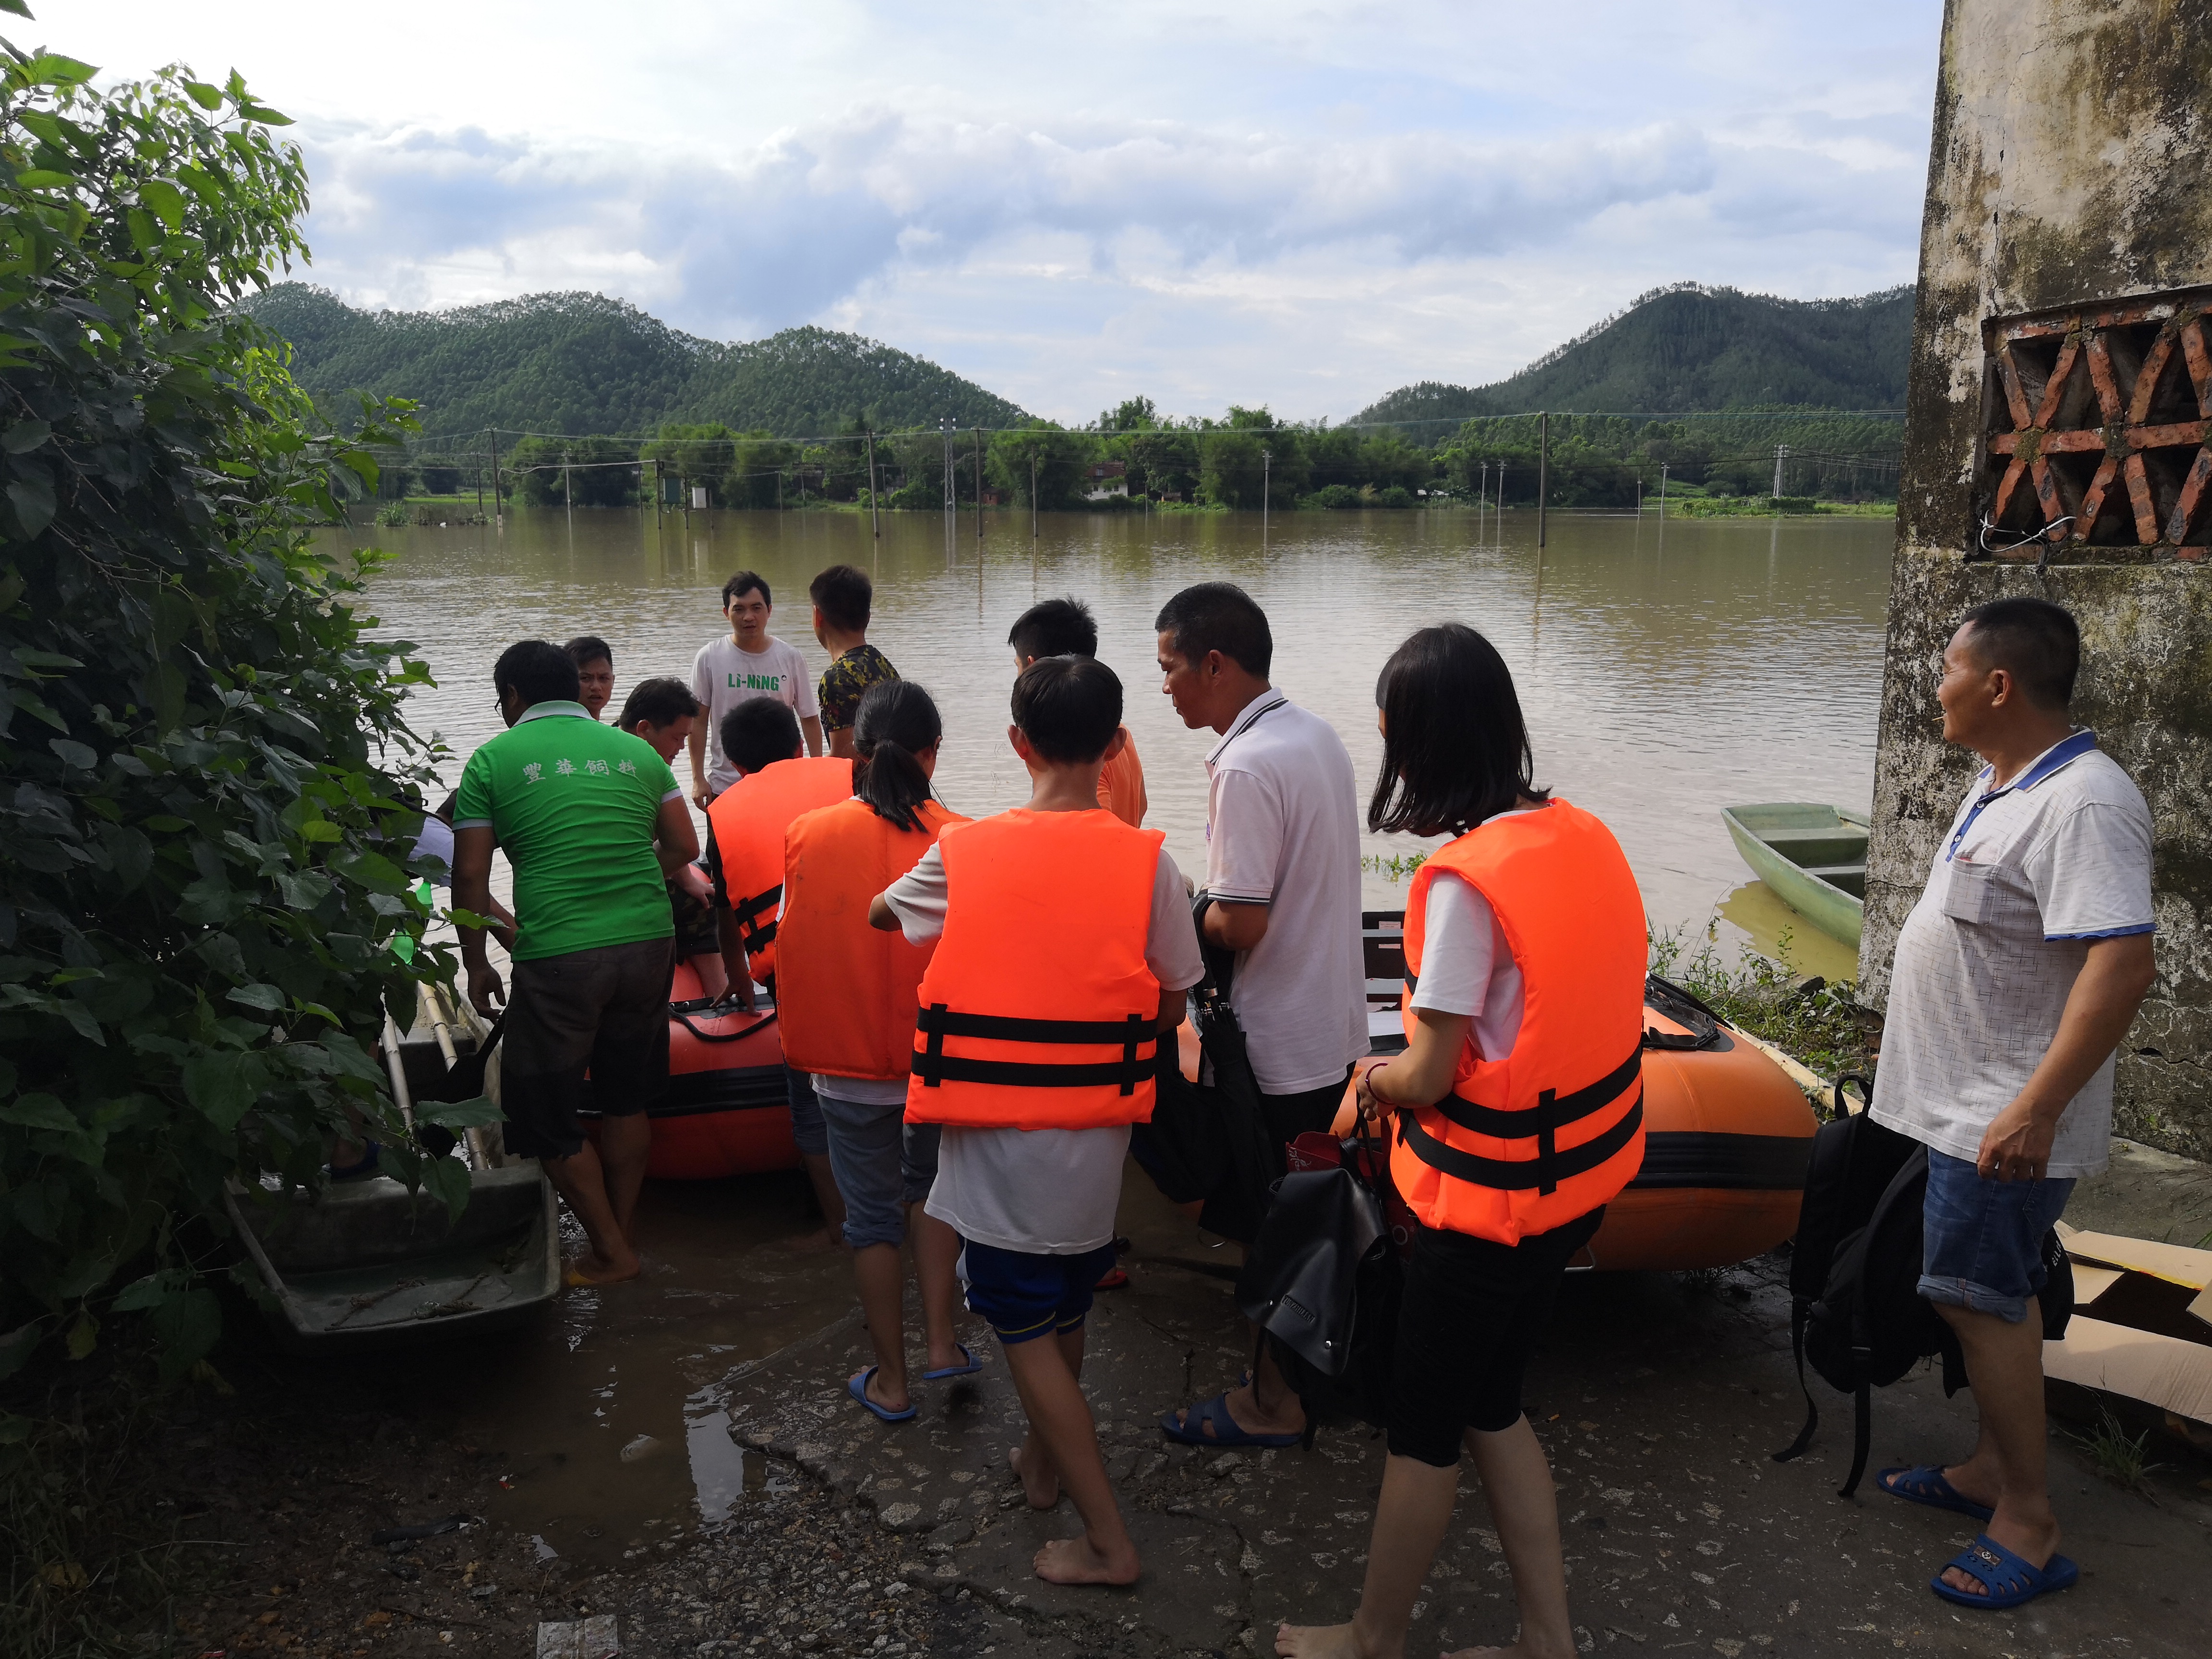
column 749, row 663
column 1283, row 868
column 2018, row 974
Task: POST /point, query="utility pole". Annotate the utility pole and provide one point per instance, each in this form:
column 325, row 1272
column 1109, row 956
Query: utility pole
column 1481, row 500
column 1267, row 470
column 952, row 502
column 1639, row 495
column 567, row 497
column 1543, row 471
column 875, row 519
column 979, row 483
column 498, row 513
column 480, row 489
column 1780, row 451
column 1662, row 489
column 1033, row 504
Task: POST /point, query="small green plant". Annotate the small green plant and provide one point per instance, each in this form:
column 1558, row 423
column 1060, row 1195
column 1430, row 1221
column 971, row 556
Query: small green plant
column 1815, row 1021
column 2120, row 1457
column 1396, row 867
column 395, row 513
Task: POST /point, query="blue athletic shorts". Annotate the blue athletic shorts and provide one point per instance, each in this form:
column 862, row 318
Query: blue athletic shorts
column 807, row 1129
column 1026, row 1296
column 1983, row 1245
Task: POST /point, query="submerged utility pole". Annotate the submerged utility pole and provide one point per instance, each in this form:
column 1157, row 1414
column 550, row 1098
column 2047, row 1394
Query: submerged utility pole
column 567, row 497
column 1033, row 506
column 1780, row 451
column 979, row 483
column 1662, row 489
column 875, row 517
column 1543, row 471
column 498, row 513
column 1267, row 470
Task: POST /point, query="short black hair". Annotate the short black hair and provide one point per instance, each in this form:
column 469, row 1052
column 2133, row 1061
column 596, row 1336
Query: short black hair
column 760, row 732
column 741, row 582
column 844, row 596
column 1218, row 616
column 1069, row 707
column 660, row 701
column 1454, row 747
column 1055, row 628
column 2035, row 641
column 588, row 648
column 540, row 669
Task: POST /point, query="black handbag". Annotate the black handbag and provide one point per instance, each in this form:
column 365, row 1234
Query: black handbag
column 1208, row 1143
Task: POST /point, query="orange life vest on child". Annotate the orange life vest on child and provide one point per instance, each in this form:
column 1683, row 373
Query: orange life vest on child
column 1532, row 1140
column 1038, row 1011
column 845, row 991
column 748, row 821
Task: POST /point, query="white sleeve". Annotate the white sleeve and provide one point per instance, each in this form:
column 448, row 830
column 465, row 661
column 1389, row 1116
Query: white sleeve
column 1458, row 948
column 703, row 681
column 919, row 899
column 1171, row 945
column 2092, row 873
column 805, row 703
column 1244, row 837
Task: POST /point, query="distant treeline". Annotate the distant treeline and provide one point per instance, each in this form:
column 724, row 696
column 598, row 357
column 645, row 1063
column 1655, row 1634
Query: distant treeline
column 1130, row 455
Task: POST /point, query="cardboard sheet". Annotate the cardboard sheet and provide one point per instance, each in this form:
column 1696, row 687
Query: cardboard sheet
column 2160, row 1370
column 2175, row 1263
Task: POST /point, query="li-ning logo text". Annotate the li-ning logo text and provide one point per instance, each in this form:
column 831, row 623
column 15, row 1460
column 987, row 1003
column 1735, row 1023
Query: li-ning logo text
column 769, row 683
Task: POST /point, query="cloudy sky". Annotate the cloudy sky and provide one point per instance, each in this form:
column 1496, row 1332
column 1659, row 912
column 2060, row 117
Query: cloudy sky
column 1305, row 203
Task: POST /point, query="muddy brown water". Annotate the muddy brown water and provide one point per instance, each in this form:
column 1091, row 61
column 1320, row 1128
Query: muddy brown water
column 1667, row 672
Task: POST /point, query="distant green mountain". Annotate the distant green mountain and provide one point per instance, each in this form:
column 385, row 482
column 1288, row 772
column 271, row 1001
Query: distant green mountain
column 585, row 363
column 1690, row 348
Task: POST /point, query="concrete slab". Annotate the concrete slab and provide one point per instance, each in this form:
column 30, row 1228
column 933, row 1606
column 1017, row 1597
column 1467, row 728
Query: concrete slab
column 2147, row 1193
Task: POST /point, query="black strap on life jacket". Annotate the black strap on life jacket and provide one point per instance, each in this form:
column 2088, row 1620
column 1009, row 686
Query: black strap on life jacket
column 1544, row 1172
column 938, row 1022
column 748, row 912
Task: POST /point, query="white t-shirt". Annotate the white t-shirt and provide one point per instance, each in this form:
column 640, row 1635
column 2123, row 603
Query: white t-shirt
column 1047, row 1191
column 2028, row 876
column 1467, row 965
column 1282, row 828
column 436, row 841
column 723, row 676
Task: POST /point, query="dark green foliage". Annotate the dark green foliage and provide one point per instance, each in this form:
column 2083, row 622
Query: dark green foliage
column 1688, row 347
column 205, row 816
column 584, row 363
column 571, row 471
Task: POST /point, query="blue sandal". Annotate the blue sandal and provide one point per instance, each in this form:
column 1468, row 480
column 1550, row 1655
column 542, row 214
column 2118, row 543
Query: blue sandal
column 968, row 1364
column 1926, row 1483
column 857, row 1386
column 362, row 1169
column 1191, row 1431
column 2008, row 1579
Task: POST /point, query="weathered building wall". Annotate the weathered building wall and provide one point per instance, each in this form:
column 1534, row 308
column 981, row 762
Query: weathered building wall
column 2059, row 383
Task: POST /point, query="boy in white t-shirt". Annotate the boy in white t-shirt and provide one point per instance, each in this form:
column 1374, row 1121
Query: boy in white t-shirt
column 751, row 662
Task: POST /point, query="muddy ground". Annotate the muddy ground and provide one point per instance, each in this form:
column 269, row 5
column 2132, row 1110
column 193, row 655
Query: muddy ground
column 680, row 1455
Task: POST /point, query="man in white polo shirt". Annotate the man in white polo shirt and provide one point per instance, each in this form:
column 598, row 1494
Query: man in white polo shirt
column 1282, row 864
column 2017, row 975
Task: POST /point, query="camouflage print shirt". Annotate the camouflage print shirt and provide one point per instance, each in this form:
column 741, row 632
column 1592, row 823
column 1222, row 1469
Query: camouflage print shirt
column 846, row 680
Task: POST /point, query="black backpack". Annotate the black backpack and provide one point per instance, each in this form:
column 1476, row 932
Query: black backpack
column 1856, row 1313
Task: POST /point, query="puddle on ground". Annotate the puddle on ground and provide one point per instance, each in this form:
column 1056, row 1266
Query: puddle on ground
column 606, row 1414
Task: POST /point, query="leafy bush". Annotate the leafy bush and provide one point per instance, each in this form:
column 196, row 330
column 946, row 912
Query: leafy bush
column 203, row 837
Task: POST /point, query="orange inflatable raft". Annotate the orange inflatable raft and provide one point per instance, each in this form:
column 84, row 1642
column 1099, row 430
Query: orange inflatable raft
column 727, row 1111
column 1726, row 1135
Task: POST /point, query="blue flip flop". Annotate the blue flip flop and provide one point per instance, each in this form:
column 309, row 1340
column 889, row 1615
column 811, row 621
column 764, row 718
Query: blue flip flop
column 1191, row 1431
column 362, row 1169
column 2010, row 1579
column 971, row 1364
column 857, row 1386
column 1925, row 1483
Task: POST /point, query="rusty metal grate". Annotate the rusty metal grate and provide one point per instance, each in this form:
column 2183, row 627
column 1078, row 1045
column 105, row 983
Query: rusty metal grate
column 2096, row 437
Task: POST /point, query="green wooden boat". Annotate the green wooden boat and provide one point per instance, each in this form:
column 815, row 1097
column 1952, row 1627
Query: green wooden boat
column 1813, row 856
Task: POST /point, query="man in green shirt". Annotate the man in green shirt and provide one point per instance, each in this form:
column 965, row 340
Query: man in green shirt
column 593, row 823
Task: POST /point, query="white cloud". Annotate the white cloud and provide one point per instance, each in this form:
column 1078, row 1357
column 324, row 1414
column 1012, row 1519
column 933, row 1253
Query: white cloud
column 1303, row 206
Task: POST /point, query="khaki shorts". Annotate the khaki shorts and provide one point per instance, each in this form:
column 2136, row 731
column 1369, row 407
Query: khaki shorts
column 602, row 1012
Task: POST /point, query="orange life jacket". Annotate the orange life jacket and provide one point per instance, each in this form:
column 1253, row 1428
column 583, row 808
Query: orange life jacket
column 1037, row 1010
column 748, row 821
column 1121, row 784
column 845, row 992
column 1534, row 1138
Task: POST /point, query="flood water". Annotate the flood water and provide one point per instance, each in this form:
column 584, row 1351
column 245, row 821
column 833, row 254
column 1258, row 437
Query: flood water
column 1667, row 672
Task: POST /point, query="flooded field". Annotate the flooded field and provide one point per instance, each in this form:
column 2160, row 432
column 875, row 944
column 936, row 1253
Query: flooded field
column 1668, row 671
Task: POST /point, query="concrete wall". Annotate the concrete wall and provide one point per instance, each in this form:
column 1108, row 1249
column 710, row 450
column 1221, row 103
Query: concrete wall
column 2071, row 165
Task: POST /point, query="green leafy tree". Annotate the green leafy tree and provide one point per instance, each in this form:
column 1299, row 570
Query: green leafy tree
column 205, row 840
column 1062, row 460
column 572, row 471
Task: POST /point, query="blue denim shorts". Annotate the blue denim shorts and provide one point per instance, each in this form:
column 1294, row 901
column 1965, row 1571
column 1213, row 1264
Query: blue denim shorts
column 882, row 1163
column 1983, row 1239
column 806, row 1113
column 1026, row 1294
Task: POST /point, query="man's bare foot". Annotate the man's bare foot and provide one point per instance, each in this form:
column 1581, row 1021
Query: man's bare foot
column 1243, row 1404
column 814, row 1243
column 1075, row 1561
column 1318, row 1641
column 592, row 1268
column 1042, row 1493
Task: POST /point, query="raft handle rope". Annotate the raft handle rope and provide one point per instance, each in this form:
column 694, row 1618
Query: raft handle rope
column 1684, row 1009
column 681, row 1012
